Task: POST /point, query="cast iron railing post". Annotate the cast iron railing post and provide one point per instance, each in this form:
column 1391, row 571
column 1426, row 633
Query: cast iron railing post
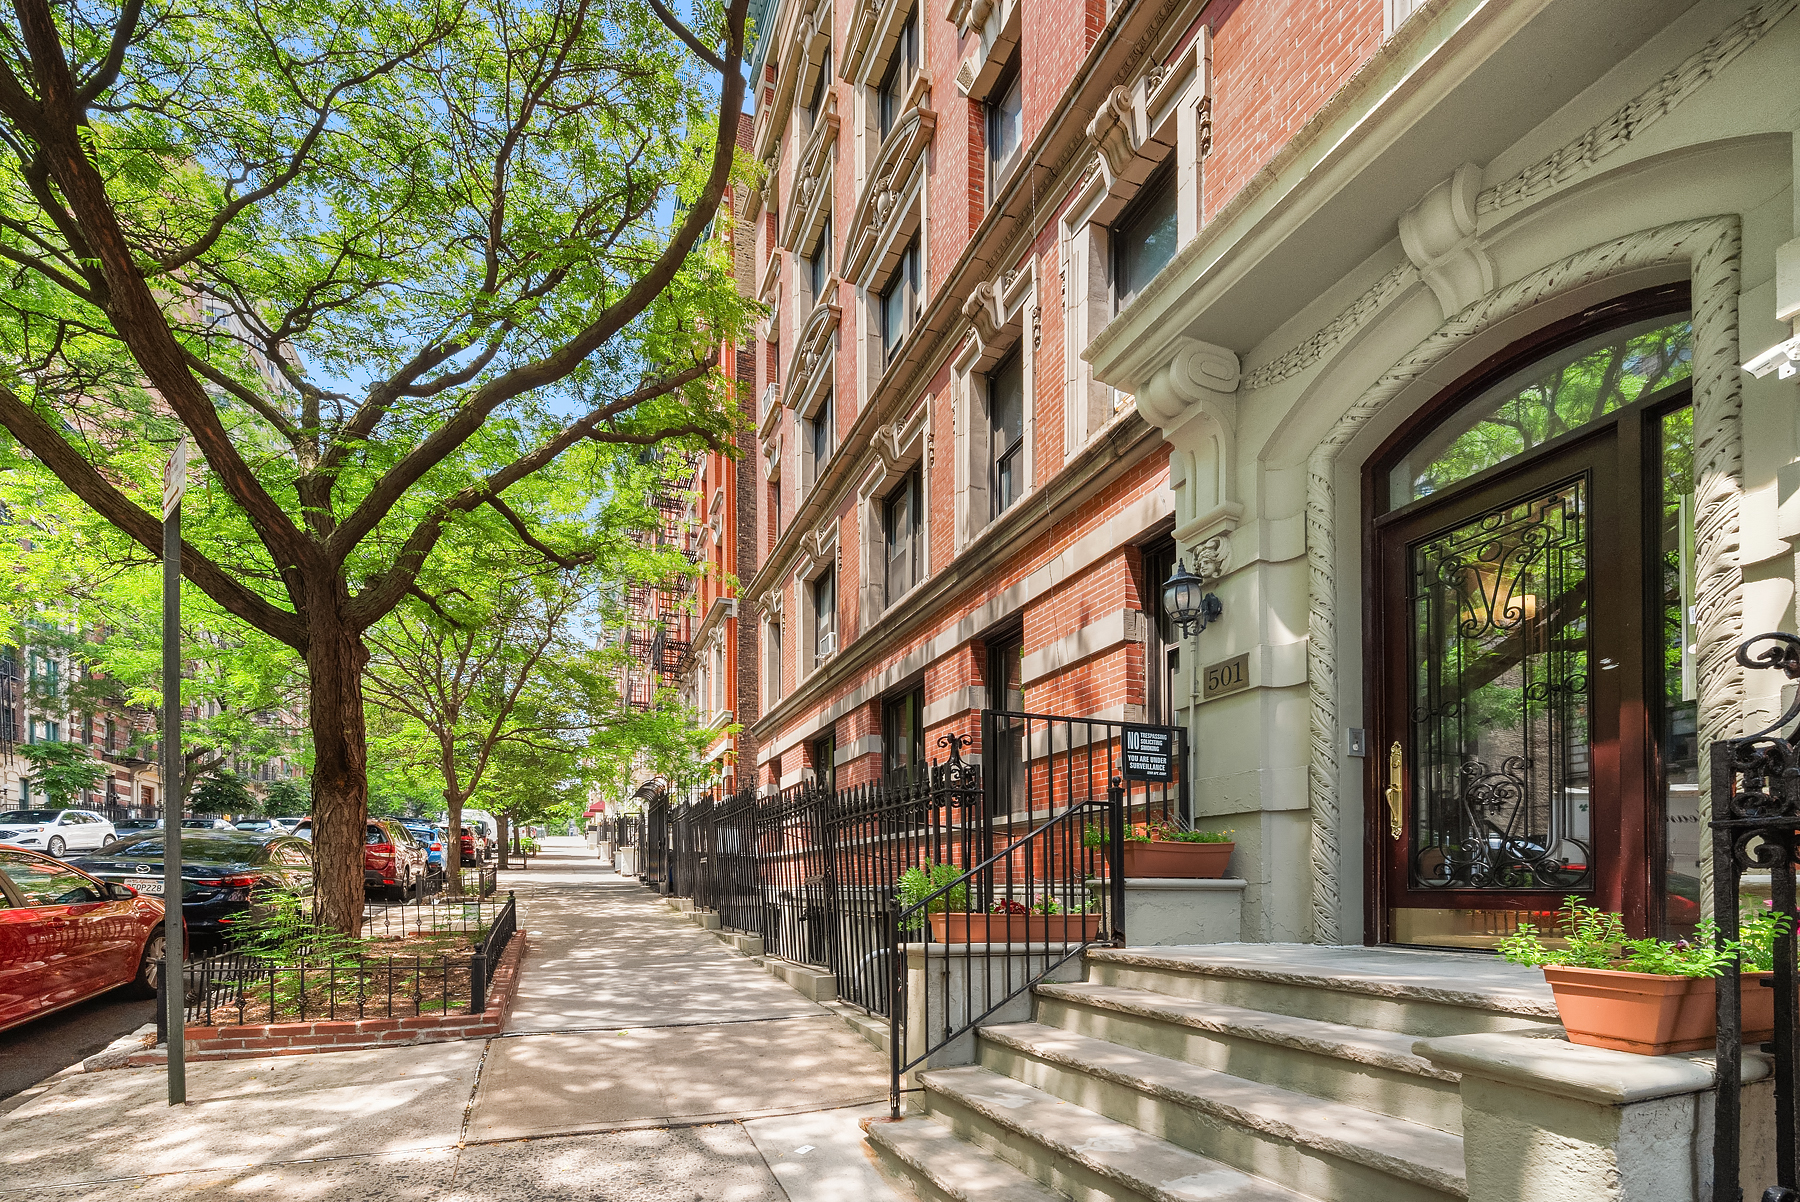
column 1115, row 858
column 1755, row 821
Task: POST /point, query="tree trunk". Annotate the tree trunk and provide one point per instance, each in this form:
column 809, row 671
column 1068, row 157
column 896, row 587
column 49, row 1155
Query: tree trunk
column 340, row 778
column 453, row 806
column 500, row 819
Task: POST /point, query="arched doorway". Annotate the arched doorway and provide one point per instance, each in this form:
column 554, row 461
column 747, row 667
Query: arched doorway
column 1532, row 693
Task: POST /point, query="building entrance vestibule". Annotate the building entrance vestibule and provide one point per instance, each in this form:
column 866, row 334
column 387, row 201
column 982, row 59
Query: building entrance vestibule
column 1532, row 686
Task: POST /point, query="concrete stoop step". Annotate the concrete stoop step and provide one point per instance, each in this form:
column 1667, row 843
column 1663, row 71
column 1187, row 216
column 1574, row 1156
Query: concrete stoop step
column 1233, row 1071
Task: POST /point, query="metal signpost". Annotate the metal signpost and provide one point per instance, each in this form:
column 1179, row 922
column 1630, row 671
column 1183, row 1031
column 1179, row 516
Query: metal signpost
column 174, row 949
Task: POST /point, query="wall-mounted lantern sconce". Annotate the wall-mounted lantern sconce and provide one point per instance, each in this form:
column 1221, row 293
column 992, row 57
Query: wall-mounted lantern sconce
column 1186, row 602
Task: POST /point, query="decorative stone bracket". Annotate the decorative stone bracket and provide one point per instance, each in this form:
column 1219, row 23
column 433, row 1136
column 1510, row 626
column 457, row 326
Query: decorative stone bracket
column 998, row 21
column 1439, row 236
column 1193, row 400
column 815, row 346
column 808, row 206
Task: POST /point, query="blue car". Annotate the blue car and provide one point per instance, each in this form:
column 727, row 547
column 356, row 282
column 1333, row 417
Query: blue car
column 431, row 838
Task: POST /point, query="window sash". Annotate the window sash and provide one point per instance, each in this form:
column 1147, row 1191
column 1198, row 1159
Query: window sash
column 901, row 525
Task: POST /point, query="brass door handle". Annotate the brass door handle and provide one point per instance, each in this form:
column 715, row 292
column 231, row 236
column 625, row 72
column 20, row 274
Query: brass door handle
column 1396, row 767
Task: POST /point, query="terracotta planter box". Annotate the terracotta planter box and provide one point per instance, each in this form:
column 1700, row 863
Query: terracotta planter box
column 961, row 927
column 1653, row 1015
column 1167, row 858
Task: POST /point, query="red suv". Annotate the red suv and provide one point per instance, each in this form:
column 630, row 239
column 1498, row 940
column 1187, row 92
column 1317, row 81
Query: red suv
column 392, row 858
column 66, row 936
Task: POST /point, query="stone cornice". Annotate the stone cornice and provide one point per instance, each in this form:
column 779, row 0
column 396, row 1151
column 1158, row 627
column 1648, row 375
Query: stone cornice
column 813, row 179
column 891, row 174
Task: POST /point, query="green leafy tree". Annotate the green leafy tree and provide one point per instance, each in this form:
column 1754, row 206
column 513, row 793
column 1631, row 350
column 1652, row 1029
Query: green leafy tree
column 380, row 263
column 62, row 772
column 284, row 799
column 222, row 792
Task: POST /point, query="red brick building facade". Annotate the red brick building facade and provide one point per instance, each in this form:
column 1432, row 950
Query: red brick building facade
column 957, row 198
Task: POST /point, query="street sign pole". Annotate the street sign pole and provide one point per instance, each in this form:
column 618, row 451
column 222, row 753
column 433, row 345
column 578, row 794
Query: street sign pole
column 174, row 974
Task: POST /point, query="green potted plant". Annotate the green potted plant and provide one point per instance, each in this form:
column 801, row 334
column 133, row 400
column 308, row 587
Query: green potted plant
column 1649, row 996
column 1164, row 849
column 1044, row 920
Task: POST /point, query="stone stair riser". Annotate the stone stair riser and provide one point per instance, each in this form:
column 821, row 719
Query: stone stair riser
column 1415, row 1016
column 1046, row 1165
column 1311, row 1171
column 1427, row 1100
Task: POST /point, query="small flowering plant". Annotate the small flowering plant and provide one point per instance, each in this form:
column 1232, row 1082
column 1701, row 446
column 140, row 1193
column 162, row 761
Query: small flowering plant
column 1043, row 905
column 1596, row 939
column 1162, row 831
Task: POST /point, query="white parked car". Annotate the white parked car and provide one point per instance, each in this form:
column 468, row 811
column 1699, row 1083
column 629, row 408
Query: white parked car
column 55, row 831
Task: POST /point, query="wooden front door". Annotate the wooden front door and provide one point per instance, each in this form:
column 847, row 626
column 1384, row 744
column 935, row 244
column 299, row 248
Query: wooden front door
column 1525, row 676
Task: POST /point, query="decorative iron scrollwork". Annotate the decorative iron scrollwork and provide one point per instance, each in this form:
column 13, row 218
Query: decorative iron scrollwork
column 1496, row 850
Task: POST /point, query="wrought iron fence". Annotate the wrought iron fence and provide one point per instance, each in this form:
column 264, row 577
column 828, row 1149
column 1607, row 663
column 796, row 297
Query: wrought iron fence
column 1002, row 925
column 653, row 862
column 815, row 871
column 438, row 914
column 237, row 988
column 1756, row 825
column 486, row 960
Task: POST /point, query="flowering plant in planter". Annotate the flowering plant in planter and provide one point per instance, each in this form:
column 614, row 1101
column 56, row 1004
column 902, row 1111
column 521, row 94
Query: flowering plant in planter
column 1165, row 849
column 1651, row 996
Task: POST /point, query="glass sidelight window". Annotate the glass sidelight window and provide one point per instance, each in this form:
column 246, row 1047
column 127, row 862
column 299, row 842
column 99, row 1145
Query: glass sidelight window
column 1677, row 664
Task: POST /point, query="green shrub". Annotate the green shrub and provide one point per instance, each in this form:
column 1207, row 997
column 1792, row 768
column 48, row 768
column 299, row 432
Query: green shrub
column 1597, row 939
column 920, row 882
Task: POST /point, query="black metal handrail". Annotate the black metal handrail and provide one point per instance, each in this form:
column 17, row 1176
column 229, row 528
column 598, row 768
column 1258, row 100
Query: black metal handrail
column 1067, row 871
column 1756, row 824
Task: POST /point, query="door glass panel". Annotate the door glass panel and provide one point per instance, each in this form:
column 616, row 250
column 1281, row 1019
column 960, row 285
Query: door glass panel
column 1553, row 396
column 1500, row 701
column 1680, row 693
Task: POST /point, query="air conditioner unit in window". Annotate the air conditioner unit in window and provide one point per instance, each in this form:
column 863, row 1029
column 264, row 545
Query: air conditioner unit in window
column 827, row 643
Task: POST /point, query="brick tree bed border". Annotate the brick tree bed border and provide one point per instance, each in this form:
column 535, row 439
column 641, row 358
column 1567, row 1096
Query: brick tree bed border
column 294, row 1039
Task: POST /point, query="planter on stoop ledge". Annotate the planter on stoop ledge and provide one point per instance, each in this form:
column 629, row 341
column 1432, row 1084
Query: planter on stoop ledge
column 1649, row 996
column 1163, row 850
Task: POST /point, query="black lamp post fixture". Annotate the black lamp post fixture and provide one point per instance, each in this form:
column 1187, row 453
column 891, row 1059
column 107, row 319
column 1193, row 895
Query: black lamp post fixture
column 1187, row 604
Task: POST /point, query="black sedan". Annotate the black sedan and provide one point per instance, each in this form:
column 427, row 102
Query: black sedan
column 224, row 872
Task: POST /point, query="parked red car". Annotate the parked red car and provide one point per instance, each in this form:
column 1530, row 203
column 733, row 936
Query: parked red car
column 391, row 858
column 66, row 936
column 470, row 857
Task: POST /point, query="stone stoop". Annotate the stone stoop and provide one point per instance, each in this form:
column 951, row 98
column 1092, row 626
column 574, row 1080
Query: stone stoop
column 1241, row 1072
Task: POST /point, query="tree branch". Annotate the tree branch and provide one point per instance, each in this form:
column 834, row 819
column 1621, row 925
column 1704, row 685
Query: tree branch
column 687, row 36
column 37, row 436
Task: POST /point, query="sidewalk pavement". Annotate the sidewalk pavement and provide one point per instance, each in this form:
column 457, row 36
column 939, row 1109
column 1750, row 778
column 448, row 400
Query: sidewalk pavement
column 643, row 1061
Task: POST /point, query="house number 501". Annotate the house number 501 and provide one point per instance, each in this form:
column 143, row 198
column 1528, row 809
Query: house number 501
column 1226, row 676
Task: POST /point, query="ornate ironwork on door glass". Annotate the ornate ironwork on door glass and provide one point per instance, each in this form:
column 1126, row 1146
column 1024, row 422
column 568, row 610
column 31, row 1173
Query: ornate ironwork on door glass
column 1500, row 698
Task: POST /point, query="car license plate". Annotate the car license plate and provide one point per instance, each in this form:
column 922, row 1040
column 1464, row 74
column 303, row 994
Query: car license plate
column 148, row 886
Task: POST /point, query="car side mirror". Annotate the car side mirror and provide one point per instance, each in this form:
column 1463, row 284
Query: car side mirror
column 121, row 892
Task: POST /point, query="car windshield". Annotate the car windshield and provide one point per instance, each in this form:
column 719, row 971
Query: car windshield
column 197, row 847
column 28, row 817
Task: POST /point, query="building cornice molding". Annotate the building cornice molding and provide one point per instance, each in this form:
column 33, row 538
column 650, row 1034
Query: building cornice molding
column 1711, row 248
column 892, row 173
column 1578, row 156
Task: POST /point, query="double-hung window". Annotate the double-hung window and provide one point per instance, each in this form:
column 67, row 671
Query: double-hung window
column 900, row 527
column 1006, row 431
column 824, row 607
column 772, row 663
column 1144, row 238
column 819, row 433
column 899, row 302
column 891, row 102
column 903, row 731
column 815, row 99
column 1005, row 130
column 818, row 267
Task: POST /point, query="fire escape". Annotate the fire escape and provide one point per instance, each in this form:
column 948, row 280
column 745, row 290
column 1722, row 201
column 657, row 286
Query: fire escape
column 655, row 630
